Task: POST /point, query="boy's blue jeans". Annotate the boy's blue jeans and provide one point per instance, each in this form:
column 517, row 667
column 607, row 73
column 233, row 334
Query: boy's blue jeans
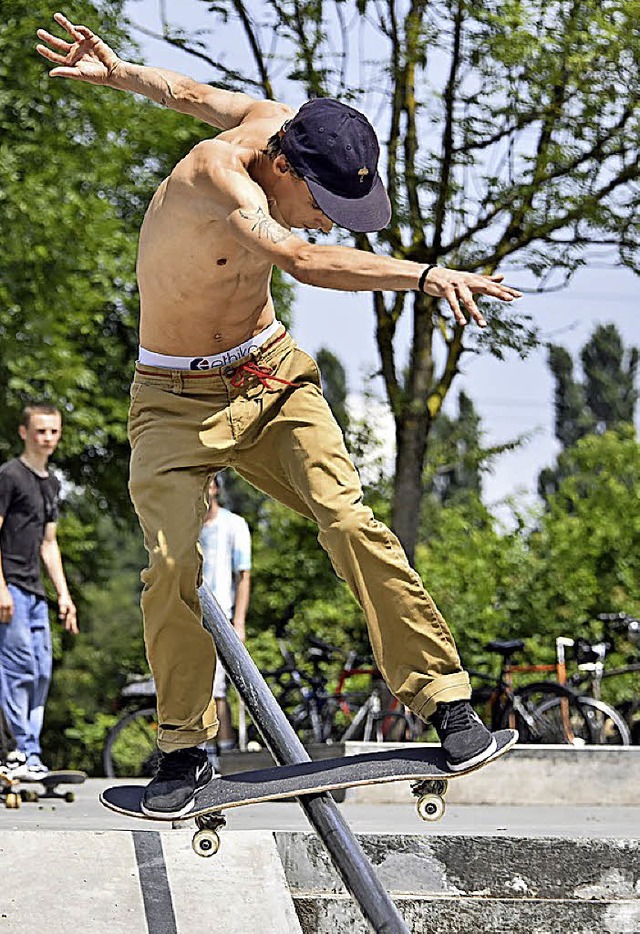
column 25, row 668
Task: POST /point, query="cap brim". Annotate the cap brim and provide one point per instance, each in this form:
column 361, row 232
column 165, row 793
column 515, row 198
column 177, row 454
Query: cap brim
column 362, row 215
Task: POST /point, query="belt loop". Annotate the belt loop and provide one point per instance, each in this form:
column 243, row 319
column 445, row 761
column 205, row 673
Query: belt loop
column 177, row 383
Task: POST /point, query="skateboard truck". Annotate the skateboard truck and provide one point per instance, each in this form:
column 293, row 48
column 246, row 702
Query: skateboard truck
column 430, row 794
column 206, row 841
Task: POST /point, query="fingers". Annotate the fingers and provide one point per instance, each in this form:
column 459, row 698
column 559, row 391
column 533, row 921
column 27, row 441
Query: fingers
column 467, row 298
column 73, row 31
column 461, row 293
column 452, row 298
column 67, row 73
column 53, row 41
column 51, row 56
column 487, row 285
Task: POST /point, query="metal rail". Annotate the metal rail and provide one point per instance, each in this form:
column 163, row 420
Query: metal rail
column 346, row 853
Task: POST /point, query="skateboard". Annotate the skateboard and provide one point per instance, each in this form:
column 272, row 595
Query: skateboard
column 9, row 791
column 50, row 782
column 425, row 767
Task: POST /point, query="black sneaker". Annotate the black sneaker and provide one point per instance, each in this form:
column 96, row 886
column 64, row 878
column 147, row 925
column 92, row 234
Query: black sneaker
column 173, row 790
column 465, row 739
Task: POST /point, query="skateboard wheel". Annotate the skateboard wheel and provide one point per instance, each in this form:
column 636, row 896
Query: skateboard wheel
column 431, row 807
column 69, row 797
column 30, row 796
column 13, row 800
column 205, row 842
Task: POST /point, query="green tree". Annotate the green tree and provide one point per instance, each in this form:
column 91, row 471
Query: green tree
column 510, row 130
column 458, row 460
column 586, row 551
column 605, row 399
column 471, row 567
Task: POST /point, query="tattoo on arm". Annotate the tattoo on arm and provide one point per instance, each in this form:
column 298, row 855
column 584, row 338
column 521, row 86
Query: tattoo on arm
column 266, row 227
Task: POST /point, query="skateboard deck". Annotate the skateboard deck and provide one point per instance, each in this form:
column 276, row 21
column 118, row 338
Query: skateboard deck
column 425, row 766
column 50, row 781
column 53, row 779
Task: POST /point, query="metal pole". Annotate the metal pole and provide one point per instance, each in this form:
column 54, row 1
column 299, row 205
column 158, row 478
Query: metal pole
column 285, row 747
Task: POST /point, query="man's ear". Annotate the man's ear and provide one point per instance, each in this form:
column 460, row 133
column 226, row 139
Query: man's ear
column 22, row 431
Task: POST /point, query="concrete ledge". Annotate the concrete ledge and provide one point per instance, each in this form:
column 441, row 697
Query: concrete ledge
column 491, row 867
column 597, row 775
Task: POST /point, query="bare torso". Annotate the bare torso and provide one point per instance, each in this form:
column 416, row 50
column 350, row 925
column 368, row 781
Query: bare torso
column 201, row 291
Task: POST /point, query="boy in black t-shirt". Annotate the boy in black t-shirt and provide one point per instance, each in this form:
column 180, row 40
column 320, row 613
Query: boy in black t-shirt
column 28, row 516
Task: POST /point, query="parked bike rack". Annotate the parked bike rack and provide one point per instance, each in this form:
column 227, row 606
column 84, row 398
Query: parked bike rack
column 346, row 853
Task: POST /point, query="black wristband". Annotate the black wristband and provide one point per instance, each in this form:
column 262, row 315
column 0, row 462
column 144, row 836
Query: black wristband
column 423, row 275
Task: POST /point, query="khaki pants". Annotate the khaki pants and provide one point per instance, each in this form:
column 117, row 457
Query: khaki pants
column 283, row 439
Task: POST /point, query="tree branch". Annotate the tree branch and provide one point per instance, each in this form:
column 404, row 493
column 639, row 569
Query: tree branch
column 254, row 45
column 447, row 159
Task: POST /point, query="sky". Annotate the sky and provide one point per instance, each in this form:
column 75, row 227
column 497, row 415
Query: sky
column 513, row 397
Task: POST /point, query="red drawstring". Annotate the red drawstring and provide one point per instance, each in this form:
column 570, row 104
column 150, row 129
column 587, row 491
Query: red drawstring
column 263, row 373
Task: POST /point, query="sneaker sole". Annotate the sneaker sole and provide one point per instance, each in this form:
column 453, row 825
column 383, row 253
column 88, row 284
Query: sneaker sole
column 184, row 811
column 476, row 760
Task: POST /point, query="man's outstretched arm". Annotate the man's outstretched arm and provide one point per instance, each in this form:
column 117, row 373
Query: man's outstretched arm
column 88, row 58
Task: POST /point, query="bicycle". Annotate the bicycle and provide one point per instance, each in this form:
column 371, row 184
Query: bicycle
column 590, row 658
column 319, row 715
column 542, row 712
column 130, row 749
column 607, row 725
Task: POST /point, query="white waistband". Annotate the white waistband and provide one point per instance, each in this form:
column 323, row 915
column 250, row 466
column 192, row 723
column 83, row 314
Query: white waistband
column 213, row 362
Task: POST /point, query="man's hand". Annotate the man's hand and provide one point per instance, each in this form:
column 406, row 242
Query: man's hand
column 87, row 58
column 67, row 614
column 458, row 287
column 6, row 605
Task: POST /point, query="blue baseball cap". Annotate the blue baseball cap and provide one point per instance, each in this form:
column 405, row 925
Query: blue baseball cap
column 335, row 150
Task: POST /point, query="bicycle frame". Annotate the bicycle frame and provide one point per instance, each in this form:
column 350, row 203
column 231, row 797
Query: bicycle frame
column 504, row 697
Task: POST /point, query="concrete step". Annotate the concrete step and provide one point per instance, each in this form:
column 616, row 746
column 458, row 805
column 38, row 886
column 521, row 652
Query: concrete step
column 142, row 882
column 471, row 884
column 335, row 914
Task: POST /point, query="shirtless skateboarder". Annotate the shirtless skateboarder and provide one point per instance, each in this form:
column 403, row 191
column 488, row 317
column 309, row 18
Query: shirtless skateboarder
column 220, row 383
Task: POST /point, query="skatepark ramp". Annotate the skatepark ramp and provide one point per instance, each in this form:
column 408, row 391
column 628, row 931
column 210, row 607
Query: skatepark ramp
column 472, row 884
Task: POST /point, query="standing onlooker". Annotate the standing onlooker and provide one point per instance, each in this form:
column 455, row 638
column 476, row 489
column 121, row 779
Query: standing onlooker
column 28, row 516
column 225, row 541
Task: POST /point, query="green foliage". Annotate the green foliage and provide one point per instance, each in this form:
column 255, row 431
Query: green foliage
column 470, row 566
column 293, row 583
column 586, row 552
column 605, row 400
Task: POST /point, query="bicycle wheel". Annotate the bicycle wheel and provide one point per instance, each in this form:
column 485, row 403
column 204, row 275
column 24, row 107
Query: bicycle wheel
column 130, row 749
column 548, row 713
column 607, row 726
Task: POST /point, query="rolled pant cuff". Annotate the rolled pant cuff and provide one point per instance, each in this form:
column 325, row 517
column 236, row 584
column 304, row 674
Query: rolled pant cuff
column 172, row 740
column 442, row 690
